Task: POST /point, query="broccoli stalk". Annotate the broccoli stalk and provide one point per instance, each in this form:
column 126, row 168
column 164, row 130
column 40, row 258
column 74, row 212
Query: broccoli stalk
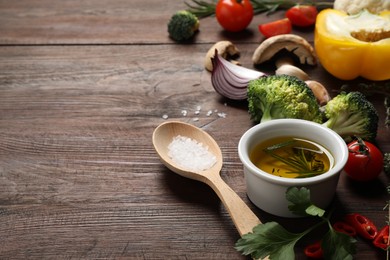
column 183, row 25
column 282, row 96
column 351, row 114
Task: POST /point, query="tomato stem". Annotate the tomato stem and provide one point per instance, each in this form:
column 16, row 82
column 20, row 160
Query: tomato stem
column 362, row 147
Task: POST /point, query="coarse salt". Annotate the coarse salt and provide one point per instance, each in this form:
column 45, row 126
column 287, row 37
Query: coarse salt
column 222, row 115
column 190, row 154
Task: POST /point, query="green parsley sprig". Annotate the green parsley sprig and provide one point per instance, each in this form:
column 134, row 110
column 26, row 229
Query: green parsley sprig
column 273, row 240
column 203, row 9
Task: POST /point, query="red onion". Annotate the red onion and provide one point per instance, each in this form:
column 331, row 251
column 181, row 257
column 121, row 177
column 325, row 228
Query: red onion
column 231, row 80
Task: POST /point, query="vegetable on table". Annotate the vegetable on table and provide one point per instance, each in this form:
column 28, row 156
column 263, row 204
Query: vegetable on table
column 341, row 226
column 365, row 161
column 273, row 240
column 349, row 46
column 203, row 8
column 234, row 15
column 226, row 49
column 286, row 49
column 382, row 238
column 282, row 96
column 351, row 114
column 302, row 15
column 278, row 27
column 285, row 65
column 320, row 92
column 356, row 6
column 314, row 250
column 364, row 227
column 182, row 26
column 231, row 80
column 295, row 46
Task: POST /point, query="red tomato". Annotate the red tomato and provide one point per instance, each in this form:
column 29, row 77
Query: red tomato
column 234, row 15
column 278, row 27
column 302, row 15
column 365, row 161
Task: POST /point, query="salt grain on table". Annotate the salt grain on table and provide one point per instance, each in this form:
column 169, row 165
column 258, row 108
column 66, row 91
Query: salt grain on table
column 190, row 154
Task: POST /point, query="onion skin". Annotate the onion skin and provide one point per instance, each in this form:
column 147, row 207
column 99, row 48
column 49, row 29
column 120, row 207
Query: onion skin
column 231, row 80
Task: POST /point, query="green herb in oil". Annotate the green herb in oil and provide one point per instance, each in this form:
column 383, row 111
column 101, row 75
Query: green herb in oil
column 292, row 158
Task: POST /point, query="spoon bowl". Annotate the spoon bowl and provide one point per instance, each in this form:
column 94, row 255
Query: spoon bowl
column 243, row 217
column 163, row 136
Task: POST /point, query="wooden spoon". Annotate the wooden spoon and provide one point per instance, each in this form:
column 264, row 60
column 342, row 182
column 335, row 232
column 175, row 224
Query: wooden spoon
column 244, row 219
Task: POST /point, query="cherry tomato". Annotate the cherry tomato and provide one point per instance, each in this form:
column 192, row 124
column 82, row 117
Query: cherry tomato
column 302, row 15
column 234, row 15
column 282, row 26
column 365, row 161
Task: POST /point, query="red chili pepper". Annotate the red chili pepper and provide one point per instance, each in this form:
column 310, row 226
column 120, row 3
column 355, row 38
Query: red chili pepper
column 341, row 226
column 382, row 239
column 363, row 226
column 314, row 250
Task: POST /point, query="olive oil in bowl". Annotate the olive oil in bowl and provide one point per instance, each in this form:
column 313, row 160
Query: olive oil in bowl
column 291, row 157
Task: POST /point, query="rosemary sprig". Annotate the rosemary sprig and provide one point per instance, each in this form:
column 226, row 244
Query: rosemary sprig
column 302, row 160
column 203, row 9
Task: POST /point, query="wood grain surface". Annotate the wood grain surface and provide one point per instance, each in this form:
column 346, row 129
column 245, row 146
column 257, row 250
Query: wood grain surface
column 83, row 84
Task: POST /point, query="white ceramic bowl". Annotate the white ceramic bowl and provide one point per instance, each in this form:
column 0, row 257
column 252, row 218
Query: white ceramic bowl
column 267, row 191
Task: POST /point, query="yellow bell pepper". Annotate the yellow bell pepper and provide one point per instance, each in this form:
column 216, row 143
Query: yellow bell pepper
column 349, row 46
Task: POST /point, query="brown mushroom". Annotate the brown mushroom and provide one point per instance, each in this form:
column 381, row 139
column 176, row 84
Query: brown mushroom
column 285, row 65
column 304, row 52
column 225, row 48
column 295, row 45
column 319, row 91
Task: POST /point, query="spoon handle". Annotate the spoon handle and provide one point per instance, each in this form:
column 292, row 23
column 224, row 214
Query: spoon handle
column 243, row 217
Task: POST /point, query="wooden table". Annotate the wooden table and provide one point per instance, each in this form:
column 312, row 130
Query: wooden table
column 83, row 84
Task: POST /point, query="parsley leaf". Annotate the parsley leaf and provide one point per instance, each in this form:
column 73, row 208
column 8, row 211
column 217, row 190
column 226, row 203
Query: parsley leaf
column 301, row 203
column 338, row 246
column 273, row 240
column 269, row 239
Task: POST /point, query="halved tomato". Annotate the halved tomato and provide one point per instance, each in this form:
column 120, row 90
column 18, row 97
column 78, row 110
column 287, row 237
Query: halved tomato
column 282, row 26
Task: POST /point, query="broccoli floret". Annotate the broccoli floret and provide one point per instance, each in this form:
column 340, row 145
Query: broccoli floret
column 183, row 25
column 351, row 114
column 282, row 96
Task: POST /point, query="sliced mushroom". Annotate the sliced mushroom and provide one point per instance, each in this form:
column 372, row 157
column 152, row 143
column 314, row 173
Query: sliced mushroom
column 293, row 43
column 225, row 48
